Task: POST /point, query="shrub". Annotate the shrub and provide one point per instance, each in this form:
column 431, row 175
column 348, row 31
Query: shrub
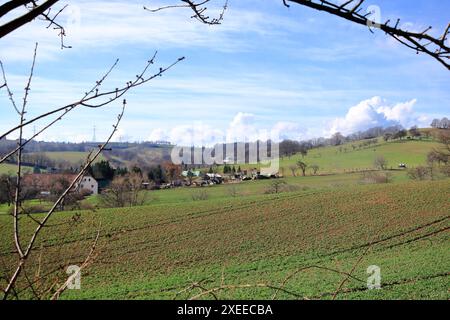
column 380, row 163
column 200, row 195
column 232, row 191
column 30, row 209
column 419, row 173
column 376, row 177
column 87, row 206
column 276, row 186
column 445, row 170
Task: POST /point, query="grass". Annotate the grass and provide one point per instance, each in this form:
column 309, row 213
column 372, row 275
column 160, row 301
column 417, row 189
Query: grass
column 70, row 156
column 343, row 158
column 251, row 188
column 157, row 250
column 11, row 169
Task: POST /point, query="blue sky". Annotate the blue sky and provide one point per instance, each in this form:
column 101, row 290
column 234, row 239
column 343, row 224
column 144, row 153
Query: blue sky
column 294, row 72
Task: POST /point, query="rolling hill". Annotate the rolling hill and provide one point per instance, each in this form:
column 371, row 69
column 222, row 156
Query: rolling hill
column 159, row 250
column 320, row 233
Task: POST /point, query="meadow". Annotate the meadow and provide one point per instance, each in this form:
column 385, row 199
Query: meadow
column 70, row 156
column 341, row 159
column 11, row 169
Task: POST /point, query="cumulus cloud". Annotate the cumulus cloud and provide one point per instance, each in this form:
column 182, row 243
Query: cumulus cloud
column 187, row 135
column 243, row 127
column 288, row 130
column 376, row 112
column 158, row 135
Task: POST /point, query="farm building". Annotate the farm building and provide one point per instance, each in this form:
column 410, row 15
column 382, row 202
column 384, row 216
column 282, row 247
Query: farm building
column 89, row 183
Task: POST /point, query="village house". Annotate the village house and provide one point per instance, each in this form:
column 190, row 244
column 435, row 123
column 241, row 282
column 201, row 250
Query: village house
column 89, row 183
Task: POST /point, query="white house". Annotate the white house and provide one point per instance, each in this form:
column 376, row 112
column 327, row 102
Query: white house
column 89, row 183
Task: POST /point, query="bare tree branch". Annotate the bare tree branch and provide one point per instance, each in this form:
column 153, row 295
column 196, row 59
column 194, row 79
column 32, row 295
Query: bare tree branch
column 91, row 97
column 24, row 256
column 12, row 25
column 17, row 198
column 5, row 85
column 204, row 291
column 199, row 10
column 60, row 117
column 437, row 48
column 11, row 5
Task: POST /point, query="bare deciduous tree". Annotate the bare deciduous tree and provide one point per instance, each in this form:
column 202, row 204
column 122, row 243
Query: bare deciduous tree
column 293, row 169
column 380, row 162
column 276, row 186
column 302, row 166
column 125, row 191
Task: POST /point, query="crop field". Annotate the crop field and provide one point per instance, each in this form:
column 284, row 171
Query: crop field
column 300, row 244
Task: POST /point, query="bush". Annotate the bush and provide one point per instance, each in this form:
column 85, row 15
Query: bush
column 380, row 163
column 276, row 186
column 200, row 195
column 419, row 173
column 376, row 178
column 30, row 209
column 87, row 206
column 232, row 191
column 445, row 170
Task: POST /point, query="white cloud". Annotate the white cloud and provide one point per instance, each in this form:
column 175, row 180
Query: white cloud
column 104, row 25
column 376, row 112
column 289, row 130
column 243, row 127
column 158, row 135
column 401, row 112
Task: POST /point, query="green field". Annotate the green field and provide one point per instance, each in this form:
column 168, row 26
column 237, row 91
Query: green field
column 11, row 169
column 69, row 156
column 343, row 158
column 320, row 233
column 155, row 251
column 256, row 187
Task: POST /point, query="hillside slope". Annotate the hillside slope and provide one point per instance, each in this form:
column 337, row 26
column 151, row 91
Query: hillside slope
column 157, row 251
column 337, row 159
